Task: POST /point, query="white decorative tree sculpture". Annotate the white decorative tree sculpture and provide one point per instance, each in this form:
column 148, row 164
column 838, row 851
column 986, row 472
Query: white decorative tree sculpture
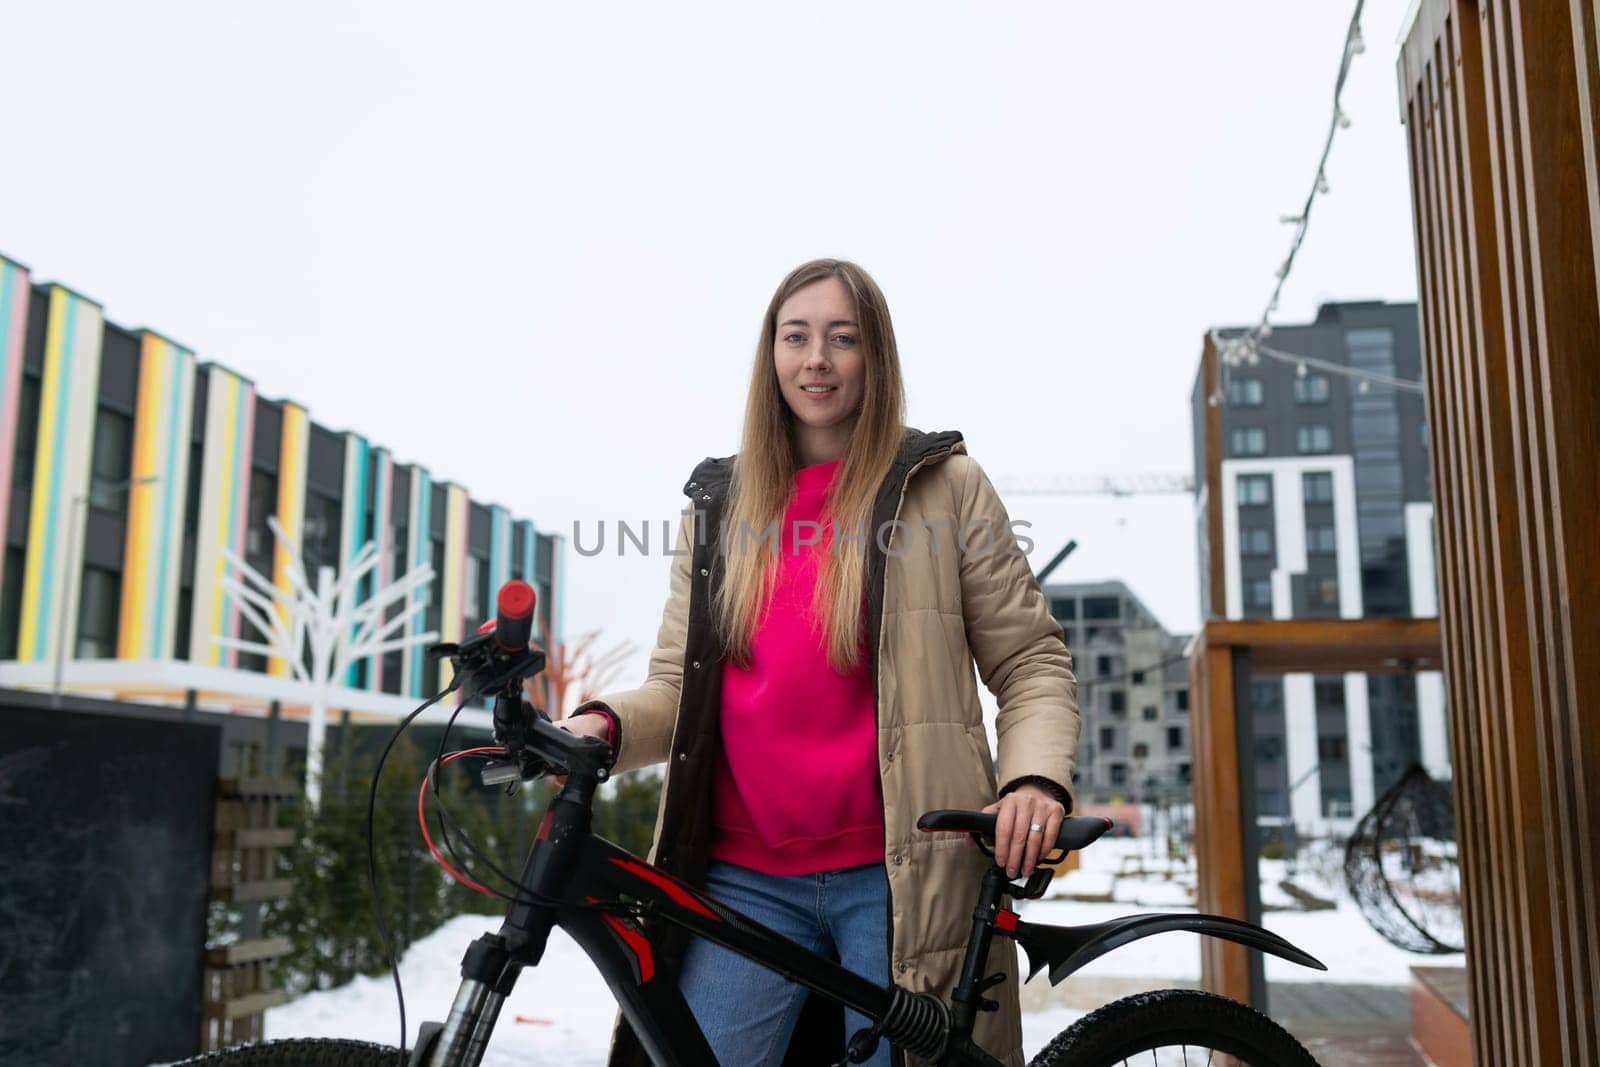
column 325, row 625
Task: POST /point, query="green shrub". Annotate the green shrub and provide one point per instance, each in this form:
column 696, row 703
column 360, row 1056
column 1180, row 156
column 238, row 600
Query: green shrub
column 328, row 915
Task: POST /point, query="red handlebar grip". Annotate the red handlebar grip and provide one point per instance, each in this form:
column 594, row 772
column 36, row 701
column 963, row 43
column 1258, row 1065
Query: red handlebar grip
column 513, row 627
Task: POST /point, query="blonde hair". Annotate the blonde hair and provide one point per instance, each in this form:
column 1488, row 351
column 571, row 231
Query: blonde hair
column 764, row 470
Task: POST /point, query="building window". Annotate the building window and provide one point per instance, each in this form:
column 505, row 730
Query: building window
column 1247, row 441
column 1108, row 739
column 474, row 582
column 1117, row 702
column 1255, row 541
column 1312, row 389
column 27, row 440
column 11, row 601
column 98, row 602
column 1255, row 489
column 1181, row 699
column 1313, row 439
column 1064, row 609
column 1141, row 751
column 1320, row 540
column 1322, row 591
column 112, row 460
column 1317, row 487
column 1331, row 748
column 1269, row 749
column 1119, row 774
column 1258, row 593
column 1174, row 738
column 1151, row 713
column 1102, row 665
column 1185, row 773
column 1244, row 392
column 1102, row 608
column 1329, row 693
column 319, row 536
column 258, row 542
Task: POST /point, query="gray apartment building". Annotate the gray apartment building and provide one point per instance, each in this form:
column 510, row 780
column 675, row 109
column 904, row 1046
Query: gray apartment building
column 1133, row 690
column 1327, row 513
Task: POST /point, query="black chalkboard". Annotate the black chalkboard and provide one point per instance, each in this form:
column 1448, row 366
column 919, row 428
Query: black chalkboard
column 105, row 845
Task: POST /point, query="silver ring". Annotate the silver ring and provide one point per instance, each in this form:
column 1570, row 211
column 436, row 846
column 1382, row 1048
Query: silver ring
column 1036, row 829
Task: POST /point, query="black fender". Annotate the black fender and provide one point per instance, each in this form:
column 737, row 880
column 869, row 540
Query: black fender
column 1065, row 949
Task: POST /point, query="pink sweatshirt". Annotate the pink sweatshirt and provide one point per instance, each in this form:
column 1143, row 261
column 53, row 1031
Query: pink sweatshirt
column 796, row 787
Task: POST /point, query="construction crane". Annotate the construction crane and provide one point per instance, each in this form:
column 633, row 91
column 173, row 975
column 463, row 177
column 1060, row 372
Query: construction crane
column 1094, row 484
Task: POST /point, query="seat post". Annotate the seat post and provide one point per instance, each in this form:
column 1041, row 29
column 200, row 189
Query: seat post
column 968, row 995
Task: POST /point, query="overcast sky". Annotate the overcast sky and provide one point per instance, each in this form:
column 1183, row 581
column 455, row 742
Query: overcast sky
column 528, row 245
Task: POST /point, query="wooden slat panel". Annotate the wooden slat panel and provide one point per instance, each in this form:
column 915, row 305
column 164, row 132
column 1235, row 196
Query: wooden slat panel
column 257, row 787
column 1500, row 104
column 244, row 892
column 250, row 1004
column 263, row 948
column 264, row 837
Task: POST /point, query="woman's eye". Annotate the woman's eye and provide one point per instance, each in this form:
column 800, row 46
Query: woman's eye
column 790, row 337
column 844, row 340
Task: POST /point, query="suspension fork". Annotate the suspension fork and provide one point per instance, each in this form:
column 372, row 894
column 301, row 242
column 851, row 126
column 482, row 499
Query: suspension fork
column 492, row 963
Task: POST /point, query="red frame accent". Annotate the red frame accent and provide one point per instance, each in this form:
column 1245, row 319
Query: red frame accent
column 636, row 942
column 1006, row 919
column 671, row 886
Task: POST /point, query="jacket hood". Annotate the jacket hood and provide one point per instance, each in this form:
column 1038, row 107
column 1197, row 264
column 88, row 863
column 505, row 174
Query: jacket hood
column 711, row 476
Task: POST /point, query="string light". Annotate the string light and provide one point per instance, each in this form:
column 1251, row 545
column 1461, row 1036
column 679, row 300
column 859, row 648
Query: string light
column 1247, row 348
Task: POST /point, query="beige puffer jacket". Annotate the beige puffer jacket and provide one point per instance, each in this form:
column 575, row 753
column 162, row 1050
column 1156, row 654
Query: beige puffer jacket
column 933, row 611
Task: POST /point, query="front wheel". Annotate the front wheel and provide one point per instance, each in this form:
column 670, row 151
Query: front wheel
column 1174, row 1027
column 301, row 1053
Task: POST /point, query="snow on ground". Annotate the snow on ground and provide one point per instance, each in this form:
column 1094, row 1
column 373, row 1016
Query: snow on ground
column 561, row 1012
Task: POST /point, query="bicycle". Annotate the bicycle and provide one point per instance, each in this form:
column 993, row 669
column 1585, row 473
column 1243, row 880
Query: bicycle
column 600, row 895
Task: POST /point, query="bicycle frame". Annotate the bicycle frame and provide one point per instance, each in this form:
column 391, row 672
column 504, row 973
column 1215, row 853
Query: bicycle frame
column 598, row 893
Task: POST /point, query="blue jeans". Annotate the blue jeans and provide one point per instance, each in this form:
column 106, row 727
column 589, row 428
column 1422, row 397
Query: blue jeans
column 747, row 1012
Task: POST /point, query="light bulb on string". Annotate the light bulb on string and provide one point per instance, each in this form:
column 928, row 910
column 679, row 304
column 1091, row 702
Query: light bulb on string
column 1357, row 45
column 1364, row 387
column 1300, row 369
column 1322, row 183
column 1342, row 118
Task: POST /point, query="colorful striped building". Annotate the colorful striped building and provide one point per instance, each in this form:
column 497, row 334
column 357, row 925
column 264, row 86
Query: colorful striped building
column 134, row 464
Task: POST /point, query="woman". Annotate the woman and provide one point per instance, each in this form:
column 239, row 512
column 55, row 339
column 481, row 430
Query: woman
column 812, row 688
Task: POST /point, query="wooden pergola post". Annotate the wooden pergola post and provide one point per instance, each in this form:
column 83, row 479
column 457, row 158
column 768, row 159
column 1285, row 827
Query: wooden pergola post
column 1226, row 655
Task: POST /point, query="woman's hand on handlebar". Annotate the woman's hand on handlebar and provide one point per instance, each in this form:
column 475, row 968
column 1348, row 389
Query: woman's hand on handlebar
column 584, row 725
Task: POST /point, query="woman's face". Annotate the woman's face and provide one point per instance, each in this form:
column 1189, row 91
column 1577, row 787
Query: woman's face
column 817, row 352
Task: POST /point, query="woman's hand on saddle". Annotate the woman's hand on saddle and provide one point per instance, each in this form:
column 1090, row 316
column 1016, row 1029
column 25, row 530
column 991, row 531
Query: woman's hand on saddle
column 1028, row 816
